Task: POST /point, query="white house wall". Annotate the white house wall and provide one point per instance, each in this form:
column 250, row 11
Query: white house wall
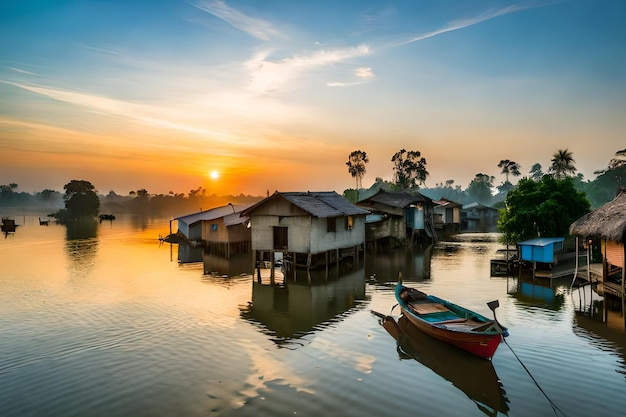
column 322, row 241
column 299, row 229
column 307, row 234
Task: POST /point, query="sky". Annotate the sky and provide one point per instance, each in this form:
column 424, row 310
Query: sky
column 253, row 96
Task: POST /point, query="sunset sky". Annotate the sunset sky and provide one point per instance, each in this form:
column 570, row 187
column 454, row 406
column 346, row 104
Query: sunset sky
column 245, row 96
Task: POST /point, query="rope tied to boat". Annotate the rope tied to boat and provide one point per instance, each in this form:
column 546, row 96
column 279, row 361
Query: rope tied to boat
column 555, row 408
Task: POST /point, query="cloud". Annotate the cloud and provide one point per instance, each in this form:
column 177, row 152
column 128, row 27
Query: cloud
column 463, row 23
column 258, row 28
column 365, row 73
column 267, row 75
column 361, row 73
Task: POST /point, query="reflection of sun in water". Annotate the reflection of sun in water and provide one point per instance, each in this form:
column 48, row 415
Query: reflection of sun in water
column 214, row 175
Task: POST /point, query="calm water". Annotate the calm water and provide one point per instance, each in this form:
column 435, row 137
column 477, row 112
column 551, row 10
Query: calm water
column 107, row 322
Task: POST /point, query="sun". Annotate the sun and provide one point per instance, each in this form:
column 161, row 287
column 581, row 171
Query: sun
column 214, row 175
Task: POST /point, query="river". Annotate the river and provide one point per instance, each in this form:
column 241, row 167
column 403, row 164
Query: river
column 107, row 321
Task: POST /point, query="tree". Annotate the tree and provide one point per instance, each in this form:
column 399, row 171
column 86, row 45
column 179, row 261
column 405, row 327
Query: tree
column 535, row 172
column 480, row 187
column 562, row 164
column 81, row 200
column 7, row 191
column 409, row 169
column 47, row 194
column 541, row 209
column 356, row 166
column 509, row 168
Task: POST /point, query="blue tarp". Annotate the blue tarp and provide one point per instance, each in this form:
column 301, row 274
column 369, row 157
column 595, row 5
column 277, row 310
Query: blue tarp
column 541, row 249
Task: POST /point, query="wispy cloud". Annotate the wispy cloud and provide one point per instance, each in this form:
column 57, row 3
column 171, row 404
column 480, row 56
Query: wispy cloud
column 267, row 75
column 256, row 27
column 463, row 23
column 363, row 74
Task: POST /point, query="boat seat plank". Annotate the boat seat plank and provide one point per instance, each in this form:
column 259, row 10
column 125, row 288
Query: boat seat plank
column 428, row 308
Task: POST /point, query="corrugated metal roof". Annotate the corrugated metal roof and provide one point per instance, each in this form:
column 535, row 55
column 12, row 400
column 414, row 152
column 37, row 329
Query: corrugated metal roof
column 319, row 204
column 323, row 204
column 399, row 199
column 477, row 205
column 541, row 241
column 212, row 214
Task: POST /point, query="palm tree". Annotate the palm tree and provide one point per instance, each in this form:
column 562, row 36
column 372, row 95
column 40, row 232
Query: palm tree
column 356, row 166
column 562, row 164
column 509, row 167
column 535, row 172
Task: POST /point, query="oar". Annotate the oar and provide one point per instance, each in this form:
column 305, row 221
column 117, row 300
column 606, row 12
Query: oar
column 492, row 306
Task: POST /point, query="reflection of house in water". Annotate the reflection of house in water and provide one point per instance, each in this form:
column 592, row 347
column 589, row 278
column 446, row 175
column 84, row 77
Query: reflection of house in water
column 216, row 264
column 536, row 291
column 398, row 216
column 293, row 308
column 476, row 217
column 413, row 264
column 311, row 228
column 188, row 254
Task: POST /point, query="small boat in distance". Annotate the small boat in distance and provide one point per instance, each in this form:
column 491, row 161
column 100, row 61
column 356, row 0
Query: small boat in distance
column 8, row 225
column 107, row 217
column 451, row 323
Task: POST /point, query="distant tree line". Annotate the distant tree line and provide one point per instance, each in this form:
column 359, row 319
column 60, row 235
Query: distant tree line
column 409, row 173
column 81, row 199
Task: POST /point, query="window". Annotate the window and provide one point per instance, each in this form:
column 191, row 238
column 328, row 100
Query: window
column 331, row 225
column 214, row 227
column 349, row 222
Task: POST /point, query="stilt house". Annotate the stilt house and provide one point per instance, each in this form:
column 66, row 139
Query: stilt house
column 222, row 229
column 310, row 228
column 398, row 215
column 447, row 216
column 607, row 224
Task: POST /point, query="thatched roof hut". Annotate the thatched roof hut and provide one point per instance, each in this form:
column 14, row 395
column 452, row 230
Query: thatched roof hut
column 607, row 222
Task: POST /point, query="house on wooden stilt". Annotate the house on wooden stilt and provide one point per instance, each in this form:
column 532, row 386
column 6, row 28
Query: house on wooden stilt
column 606, row 227
column 309, row 229
column 398, row 216
column 221, row 230
column 447, row 216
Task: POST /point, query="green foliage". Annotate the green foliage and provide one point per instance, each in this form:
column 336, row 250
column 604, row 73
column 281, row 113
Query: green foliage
column 546, row 208
column 604, row 188
column 409, row 169
column 479, row 189
column 351, row 195
column 81, row 200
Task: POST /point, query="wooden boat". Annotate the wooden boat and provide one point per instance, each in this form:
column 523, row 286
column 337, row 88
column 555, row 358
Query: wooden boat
column 475, row 377
column 451, row 323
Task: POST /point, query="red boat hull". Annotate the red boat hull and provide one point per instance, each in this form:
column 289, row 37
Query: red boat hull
column 482, row 345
